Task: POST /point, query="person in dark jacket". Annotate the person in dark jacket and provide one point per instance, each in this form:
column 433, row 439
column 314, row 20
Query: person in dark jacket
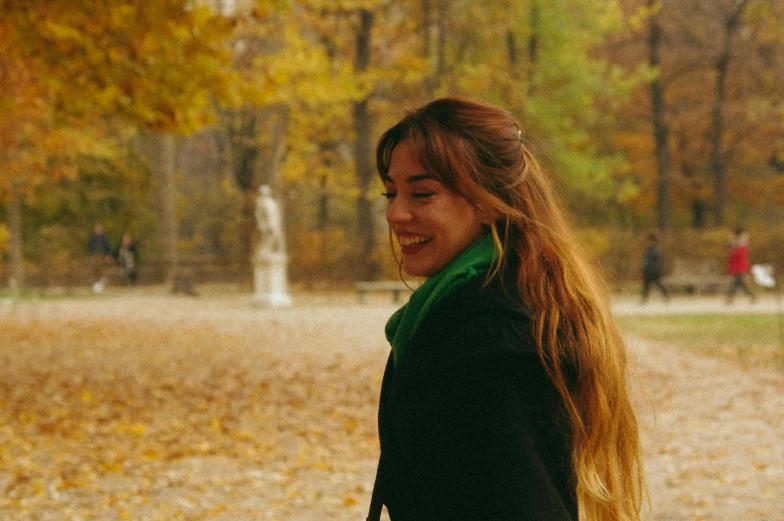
column 505, row 394
column 652, row 268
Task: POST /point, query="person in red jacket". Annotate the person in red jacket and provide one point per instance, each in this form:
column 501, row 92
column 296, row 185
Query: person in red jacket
column 738, row 265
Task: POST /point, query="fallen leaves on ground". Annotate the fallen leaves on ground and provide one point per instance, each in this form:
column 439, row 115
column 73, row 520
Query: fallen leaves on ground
column 712, row 433
column 164, row 409
column 105, row 419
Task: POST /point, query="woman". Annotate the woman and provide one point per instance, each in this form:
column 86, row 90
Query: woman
column 126, row 258
column 505, row 395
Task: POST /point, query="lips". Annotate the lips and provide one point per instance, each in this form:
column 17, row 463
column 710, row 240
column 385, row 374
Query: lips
column 411, row 243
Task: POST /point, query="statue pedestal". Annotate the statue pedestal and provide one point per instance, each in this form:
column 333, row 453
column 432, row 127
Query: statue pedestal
column 270, row 285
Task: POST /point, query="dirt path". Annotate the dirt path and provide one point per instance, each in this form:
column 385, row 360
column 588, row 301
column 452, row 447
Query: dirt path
column 712, row 434
column 145, row 406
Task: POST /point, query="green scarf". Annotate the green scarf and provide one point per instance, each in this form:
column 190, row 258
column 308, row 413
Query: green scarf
column 472, row 263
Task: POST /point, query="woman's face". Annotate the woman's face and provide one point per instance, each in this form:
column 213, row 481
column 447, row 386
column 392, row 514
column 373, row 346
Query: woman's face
column 432, row 224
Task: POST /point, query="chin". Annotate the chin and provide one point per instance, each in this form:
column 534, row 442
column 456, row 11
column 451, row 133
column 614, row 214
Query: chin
column 412, row 271
column 419, row 271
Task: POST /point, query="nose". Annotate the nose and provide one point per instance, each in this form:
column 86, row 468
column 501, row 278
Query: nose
column 398, row 211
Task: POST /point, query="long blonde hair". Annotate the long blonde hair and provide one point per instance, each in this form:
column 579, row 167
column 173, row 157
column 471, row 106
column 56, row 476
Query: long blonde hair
column 477, row 150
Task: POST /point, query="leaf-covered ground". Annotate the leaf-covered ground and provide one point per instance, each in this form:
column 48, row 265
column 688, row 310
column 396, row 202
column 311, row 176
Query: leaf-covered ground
column 141, row 406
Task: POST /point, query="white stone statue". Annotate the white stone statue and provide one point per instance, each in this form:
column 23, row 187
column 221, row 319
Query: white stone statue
column 269, row 270
column 271, row 241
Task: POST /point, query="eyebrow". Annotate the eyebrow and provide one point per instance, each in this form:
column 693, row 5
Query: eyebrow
column 414, row 178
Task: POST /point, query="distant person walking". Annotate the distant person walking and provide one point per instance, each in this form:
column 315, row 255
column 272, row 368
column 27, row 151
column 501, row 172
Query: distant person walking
column 652, row 268
column 126, row 258
column 738, row 265
column 99, row 251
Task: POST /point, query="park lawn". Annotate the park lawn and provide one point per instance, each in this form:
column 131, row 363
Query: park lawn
column 750, row 339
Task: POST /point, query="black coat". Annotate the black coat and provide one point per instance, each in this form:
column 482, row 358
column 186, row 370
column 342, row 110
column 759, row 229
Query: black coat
column 652, row 263
column 470, row 426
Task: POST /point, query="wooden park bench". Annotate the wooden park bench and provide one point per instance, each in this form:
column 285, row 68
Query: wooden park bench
column 701, row 277
column 395, row 287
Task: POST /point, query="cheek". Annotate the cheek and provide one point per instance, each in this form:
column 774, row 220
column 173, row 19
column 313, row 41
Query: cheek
column 470, row 219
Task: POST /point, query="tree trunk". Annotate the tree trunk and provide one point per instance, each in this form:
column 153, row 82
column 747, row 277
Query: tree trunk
column 441, row 24
column 660, row 129
column 432, row 79
column 716, row 157
column 14, row 211
column 243, row 146
column 277, row 119
column 322, row 222
column 511, row 49
column 243, row 152
column 168, row 200
column 363, row 155
column 698, row 211
column 533, row 47
column 427, row 40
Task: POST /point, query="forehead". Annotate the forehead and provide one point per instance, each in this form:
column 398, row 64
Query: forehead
column 405, row 166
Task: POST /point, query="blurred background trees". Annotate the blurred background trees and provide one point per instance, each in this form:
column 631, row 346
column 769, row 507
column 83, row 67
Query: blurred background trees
column 163, row 118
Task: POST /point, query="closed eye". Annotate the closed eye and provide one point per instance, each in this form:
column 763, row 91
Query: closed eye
column 417, row 195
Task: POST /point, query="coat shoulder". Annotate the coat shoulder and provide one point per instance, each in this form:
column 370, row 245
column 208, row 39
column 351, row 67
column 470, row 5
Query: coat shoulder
column 478, row 319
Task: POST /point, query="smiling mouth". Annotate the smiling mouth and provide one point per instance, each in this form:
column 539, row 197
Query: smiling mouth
column 410, row 241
